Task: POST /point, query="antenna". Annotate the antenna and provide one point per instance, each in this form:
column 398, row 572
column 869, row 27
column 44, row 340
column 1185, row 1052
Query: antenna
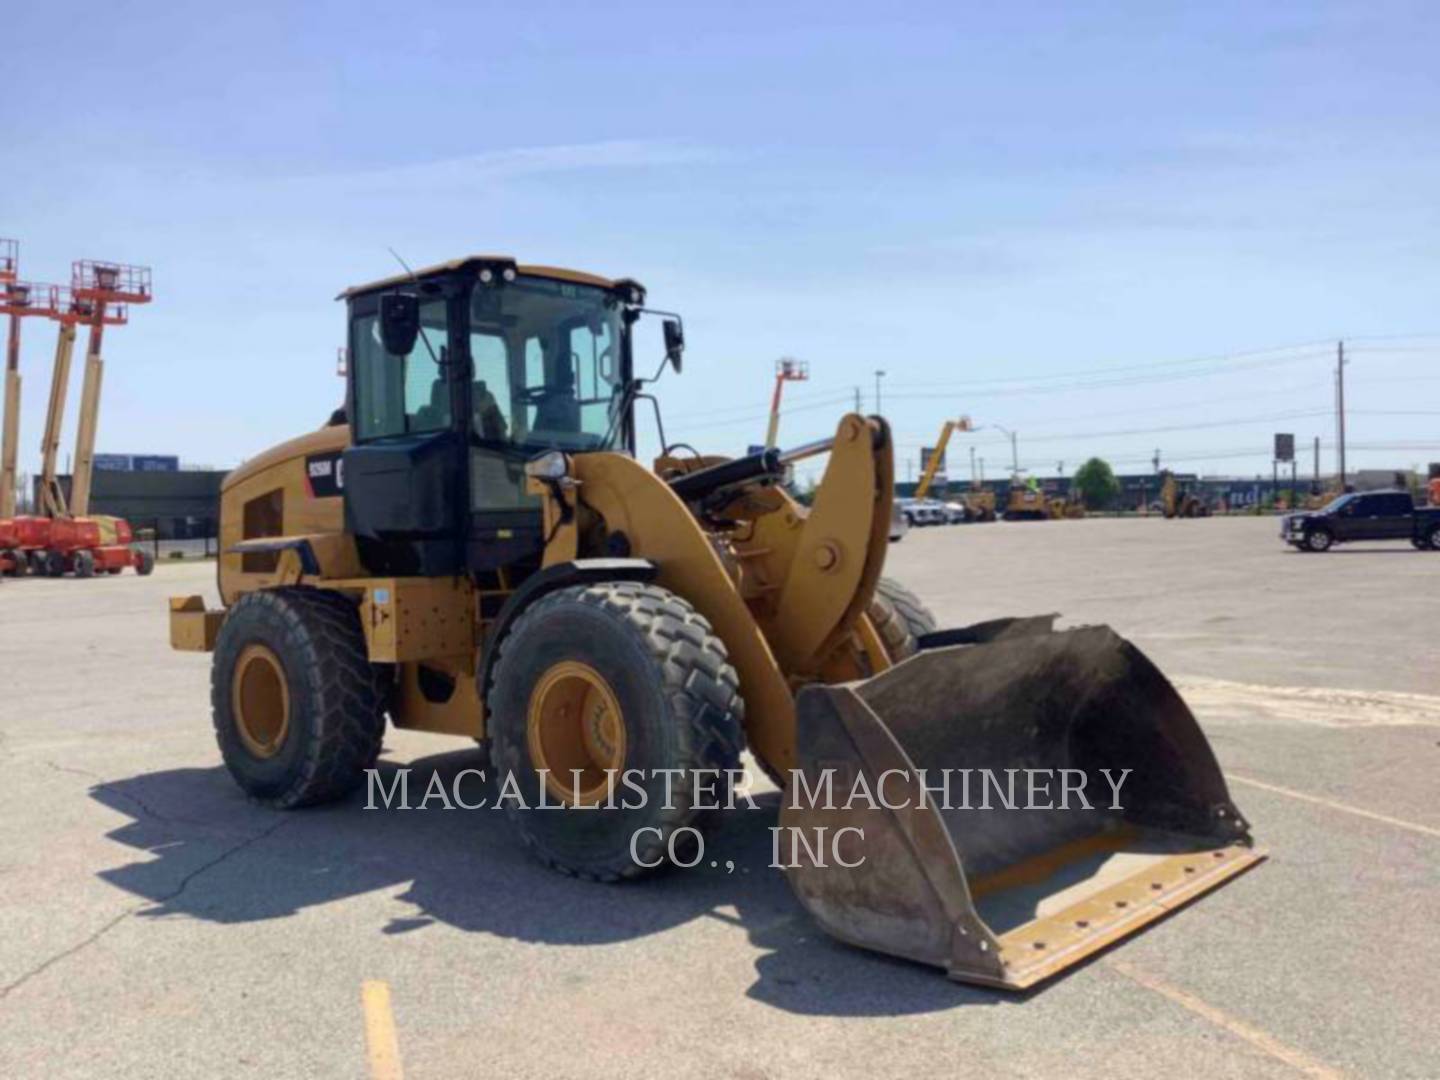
column 406, row 266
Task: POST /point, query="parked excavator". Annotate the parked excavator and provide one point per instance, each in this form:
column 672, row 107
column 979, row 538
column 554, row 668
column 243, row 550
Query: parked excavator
column 471, row 547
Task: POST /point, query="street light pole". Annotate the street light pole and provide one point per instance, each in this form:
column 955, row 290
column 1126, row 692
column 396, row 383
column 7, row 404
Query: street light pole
column 878, row 376
column 1340, row 407
column 1014, row 447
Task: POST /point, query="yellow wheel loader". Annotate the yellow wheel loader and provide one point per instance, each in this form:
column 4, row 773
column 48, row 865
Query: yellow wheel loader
column 1177, row 501
column 470, row 547
column 981, row 502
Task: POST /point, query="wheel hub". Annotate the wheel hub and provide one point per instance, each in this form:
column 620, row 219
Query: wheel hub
column 260, row 699
column 576, row 733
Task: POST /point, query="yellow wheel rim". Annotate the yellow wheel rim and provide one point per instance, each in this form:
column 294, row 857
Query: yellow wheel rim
column 260, row 700
column 576, row 733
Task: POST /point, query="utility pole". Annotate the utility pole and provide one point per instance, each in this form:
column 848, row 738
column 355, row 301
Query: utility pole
column 1340, row 407
column 982, row 470
column 972, row 466
column 1060, row 468
column 859, row 408
column 1156, row 461
column 878, row 376
column 1317, row 464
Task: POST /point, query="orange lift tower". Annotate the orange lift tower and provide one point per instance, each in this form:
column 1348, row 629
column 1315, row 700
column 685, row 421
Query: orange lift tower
column 98, row 287
column 786, row 370
column 9, row 287
column 18, row 299
column 69, row 313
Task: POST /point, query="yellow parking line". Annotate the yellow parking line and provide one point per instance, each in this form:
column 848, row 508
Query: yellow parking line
column 1424, row 830
column 382, row 1048
column 1262, row 1041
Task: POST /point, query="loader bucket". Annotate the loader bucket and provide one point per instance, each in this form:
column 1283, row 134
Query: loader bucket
column 906, row 828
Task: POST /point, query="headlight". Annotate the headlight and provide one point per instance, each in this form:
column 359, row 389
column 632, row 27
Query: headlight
column 548, row 466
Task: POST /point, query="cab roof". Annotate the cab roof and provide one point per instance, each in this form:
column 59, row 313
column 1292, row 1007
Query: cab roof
column 580, row 277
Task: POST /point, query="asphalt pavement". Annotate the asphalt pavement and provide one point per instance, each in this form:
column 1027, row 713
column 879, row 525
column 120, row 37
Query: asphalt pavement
column 157, row 924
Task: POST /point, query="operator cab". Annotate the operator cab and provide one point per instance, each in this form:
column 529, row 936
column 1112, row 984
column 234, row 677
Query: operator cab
column 458, row 376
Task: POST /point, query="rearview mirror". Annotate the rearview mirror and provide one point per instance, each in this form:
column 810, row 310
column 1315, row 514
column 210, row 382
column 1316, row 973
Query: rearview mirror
column 674, row 343
column 399, row 323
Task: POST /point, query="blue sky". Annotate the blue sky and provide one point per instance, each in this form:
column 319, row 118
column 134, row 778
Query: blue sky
column 1037, row 214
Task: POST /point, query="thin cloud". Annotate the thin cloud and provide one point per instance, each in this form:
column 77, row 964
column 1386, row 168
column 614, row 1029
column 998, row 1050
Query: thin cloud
column 473, row 170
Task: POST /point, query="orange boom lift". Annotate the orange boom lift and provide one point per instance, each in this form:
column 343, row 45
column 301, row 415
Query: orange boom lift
column 64, row 536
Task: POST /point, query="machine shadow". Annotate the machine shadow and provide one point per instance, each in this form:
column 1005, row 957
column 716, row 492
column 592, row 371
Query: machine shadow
column 208, row 853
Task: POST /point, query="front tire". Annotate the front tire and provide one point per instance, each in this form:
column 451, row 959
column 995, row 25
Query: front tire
column 620, row 676
column 1432, row 538
column 84, row 564
column 144, row 563
column 298, row 707
column 900, row 618
column 1319, row 540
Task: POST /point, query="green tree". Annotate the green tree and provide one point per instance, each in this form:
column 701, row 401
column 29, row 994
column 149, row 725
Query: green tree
column 1097, row 483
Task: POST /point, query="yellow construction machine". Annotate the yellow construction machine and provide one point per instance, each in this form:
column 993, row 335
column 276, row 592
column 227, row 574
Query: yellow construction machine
column 1071, row 506
column 470, row 547
column 1178, row 501
column 1025, row 501
column 980, row 501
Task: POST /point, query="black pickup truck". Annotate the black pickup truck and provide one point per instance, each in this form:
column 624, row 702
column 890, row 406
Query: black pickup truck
column 1370, row 515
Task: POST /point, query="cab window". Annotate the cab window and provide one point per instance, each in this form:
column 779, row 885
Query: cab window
column 401, row 395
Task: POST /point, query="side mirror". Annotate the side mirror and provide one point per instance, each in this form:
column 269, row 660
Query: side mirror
column 399, row 323
column 674, row 343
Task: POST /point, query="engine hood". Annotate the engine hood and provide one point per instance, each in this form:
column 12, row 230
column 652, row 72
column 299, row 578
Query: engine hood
column 334, row 437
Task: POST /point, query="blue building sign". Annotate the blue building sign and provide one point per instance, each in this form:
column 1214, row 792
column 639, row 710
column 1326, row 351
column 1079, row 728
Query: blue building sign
column 137, row 463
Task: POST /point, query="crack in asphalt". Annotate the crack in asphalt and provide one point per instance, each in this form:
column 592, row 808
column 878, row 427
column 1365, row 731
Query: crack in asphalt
column 146, row 810
column 63, row 954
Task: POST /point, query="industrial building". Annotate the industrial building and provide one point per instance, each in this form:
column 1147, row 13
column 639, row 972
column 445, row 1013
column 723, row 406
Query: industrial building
column 178, row 505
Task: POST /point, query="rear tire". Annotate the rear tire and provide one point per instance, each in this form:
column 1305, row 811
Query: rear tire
column 84, row 564
column 900, row 618
column 1433, row 538
column 297, row 705
column 19, row 564
column 144, row 563
column 649, row 689
column 54, row 564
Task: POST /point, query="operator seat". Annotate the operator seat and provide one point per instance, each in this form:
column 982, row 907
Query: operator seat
column 559, row 409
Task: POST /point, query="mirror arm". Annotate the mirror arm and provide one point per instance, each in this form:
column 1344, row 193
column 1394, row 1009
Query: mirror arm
column 659, row 424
